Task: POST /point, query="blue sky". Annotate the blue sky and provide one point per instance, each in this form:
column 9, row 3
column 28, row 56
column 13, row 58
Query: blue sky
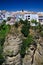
column 14, row 5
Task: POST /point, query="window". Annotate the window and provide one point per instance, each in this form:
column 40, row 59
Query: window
column 40, row 20
column 28, row 16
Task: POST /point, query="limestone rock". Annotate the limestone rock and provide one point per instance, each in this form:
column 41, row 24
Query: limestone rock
column 34, row 57
column 11, row 50
column 38, row 57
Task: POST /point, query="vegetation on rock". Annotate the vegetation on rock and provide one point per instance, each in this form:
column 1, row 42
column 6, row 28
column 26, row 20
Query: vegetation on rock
column 25, row 28
column 26, row 43
column 34, row 21
column 4, row 29
column 16, row 24
column 27, row 39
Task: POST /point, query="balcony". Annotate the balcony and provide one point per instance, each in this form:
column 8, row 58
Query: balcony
column 40, row 17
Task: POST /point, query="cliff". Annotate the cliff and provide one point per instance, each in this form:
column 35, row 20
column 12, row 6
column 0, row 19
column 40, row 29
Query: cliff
column 11, row 51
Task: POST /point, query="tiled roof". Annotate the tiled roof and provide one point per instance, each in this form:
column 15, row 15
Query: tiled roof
column 40, row 14
column 22, row 13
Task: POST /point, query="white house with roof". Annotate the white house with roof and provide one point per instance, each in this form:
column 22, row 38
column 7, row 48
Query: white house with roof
column 34, row 16
column 26, row 15
column 7, row 14
column 16, row 16
column 40, row 17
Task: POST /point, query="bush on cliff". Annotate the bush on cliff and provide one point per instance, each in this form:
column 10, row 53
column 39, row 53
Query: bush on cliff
column 25, row 28
column 26, row 43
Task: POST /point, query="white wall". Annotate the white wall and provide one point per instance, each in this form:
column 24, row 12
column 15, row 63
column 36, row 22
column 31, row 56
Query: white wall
column 26, row 15
column 34, row 16
column 7, row 14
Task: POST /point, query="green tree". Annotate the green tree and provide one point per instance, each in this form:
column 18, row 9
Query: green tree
column 1, row 59
column 3, row 32
column 34, row 21
column 26, row 43
column 39, row 27
column 16, row 24
column 9, row 18
column 1, row 56
column 41, row 33
column 25, row 28
column 21, row 21
column 3, row 23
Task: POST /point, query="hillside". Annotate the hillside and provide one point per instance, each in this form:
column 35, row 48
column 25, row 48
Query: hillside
column 22, row 45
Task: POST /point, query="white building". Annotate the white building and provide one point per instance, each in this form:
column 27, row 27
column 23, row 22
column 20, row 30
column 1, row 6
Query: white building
column 7, row 14
column 27, row 15
column 40, row 17
column 30, row 16
column 22, row 15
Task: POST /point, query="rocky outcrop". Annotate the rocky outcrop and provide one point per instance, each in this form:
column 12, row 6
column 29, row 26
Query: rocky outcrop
column 29, row 57
column 34, row 56
column 11, row 50
column 38, row 57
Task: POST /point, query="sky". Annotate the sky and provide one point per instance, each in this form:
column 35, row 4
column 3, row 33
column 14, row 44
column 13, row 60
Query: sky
column 14, row 5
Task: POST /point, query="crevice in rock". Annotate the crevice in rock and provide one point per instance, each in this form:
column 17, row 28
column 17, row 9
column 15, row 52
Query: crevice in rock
column 35, row 47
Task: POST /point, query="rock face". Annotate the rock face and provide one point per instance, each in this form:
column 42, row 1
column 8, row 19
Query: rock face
column 38, row 57
column 34, row 56
column 11, row 50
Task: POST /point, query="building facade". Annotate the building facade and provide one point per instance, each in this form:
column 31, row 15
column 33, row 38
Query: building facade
column 22, row 15
column 40, row 17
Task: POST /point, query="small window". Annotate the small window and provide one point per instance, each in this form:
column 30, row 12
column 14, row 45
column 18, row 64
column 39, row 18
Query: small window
column 28, row 16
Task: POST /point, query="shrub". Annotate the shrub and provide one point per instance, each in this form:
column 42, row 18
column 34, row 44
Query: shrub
column 16, row 24
column 9, row 18
column 1, row 59
column 23, row 49
column 1, row 49
column 3, row 32
column 1, row 56
column 26, row 43
column 39, row 27
column 25, row 31
column 41, row 33
column 25, row 28
column 21, row 21
column 34, row 21
column 2, row 40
